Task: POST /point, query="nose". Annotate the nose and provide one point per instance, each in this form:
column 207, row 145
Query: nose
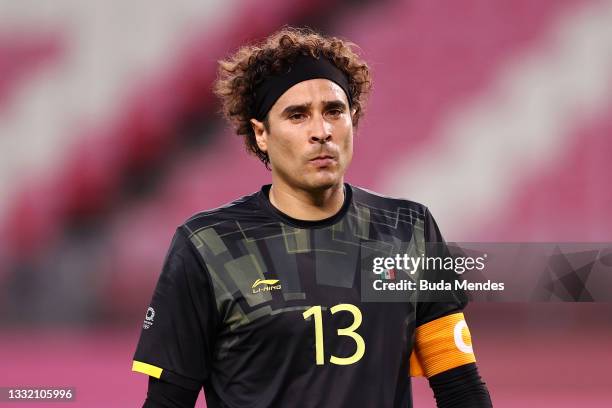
column 321, row 130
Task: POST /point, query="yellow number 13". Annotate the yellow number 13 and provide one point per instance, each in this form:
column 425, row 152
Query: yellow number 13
column 349, row 331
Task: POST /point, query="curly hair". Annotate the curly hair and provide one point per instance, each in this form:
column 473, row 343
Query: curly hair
column 239, row 75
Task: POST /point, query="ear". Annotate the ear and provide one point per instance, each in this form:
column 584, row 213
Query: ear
column 353, row 112
column 261, row 136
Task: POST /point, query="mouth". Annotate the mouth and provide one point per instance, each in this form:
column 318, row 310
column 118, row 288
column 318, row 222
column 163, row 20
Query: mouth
column 323, row 160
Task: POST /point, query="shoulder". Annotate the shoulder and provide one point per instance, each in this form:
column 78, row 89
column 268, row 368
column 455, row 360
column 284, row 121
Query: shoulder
column 240, row 209
column 209, row 226
column 376, row 201
column 226, row 222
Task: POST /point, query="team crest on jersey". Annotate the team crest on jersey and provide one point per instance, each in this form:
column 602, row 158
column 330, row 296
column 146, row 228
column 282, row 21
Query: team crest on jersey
column 389, row 274
column 265, row 285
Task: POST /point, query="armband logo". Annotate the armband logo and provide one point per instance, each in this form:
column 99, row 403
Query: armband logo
column 459, row 342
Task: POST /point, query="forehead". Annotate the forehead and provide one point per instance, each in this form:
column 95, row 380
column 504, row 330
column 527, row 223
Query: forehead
column 311, row 91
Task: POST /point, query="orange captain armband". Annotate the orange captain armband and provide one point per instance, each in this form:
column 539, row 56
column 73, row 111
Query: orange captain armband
column 440, row 345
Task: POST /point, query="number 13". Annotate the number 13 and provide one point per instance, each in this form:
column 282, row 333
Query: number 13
column 349, row 331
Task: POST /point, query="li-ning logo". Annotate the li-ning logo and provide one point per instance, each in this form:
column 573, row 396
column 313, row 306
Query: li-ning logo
column 148, row 322
column 265, row 285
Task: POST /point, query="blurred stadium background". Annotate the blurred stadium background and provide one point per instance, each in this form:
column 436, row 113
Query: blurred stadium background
column 496, row 114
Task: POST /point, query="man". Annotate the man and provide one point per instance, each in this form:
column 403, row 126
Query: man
column 260, row 301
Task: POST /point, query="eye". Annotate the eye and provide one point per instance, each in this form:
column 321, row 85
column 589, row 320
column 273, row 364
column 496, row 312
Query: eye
column 297, row 116
column 335, row 112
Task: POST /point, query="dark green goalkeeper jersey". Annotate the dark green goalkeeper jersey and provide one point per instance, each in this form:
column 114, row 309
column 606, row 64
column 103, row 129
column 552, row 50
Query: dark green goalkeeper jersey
column 264, row 310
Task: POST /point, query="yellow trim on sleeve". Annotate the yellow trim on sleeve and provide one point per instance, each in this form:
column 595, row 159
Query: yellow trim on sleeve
column 147, row 369
column 442, row 344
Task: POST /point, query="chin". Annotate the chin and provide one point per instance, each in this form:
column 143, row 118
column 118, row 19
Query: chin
column 324, row 181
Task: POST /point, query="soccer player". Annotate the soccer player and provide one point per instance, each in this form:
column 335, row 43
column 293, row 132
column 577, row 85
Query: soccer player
column 259, row 301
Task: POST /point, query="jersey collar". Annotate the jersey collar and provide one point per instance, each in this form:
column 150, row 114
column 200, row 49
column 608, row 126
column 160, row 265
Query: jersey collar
column 264, row 194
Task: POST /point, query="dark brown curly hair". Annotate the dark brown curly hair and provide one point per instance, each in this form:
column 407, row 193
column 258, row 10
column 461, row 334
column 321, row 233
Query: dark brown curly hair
column 240, row 74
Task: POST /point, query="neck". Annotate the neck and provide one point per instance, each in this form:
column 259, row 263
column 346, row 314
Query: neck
column 307, row 205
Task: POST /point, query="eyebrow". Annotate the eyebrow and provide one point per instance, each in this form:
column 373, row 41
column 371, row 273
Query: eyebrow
column 306, row 106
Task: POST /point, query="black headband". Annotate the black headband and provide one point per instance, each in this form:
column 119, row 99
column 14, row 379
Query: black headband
column 304, row 68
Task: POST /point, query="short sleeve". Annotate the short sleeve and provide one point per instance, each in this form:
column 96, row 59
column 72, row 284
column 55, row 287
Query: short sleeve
column 178, row 331
column 451, row 301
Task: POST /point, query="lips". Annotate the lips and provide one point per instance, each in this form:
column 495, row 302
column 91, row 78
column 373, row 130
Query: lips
column 322, row 157
column 323, row 160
